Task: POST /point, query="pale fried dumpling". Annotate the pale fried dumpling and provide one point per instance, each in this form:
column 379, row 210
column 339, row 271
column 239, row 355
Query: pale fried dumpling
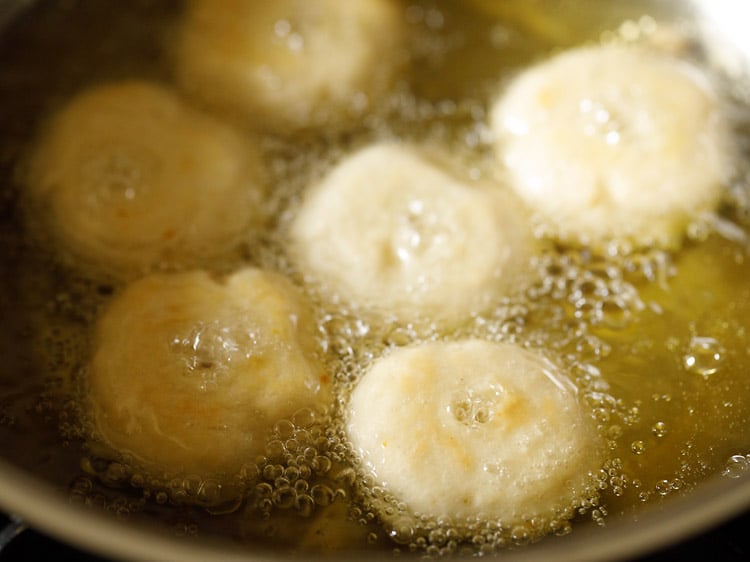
column 289, row 63
column 395, row 234
column 189, row 372
column 614, row 143
column 473, row 427
column 127, row 176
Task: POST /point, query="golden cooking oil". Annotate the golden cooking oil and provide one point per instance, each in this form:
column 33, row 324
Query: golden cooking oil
column 656, row 342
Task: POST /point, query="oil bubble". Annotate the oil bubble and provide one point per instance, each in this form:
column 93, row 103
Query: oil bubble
column 372, row 538
column 704, row 356
column 284, row 497
column 475, row 407
column 321, row 464
column 305, row 505
column 615, row 312
column 736, row 466
column 401, row 530
column 438, row 537
column 284, row 429
column 659, row 429
column 209, row 349
column 322, row 495
column 304, row 418
column 663, row 487
column 346, row 476
column 264, row 490
column 520, row 535
column 291, row 473
column 272, row 471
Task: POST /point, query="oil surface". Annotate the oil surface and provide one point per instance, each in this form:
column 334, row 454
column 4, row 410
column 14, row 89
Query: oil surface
column 656, row 342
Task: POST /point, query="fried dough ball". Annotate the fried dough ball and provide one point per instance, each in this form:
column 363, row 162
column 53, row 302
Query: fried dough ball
column 614, row 143
column 127, row 176
column 473, row 427
column 289, row 64
column 189, row 372
column 390, row 232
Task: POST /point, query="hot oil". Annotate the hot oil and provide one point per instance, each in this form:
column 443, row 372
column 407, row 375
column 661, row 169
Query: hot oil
column 655, row 342
column 685, row 353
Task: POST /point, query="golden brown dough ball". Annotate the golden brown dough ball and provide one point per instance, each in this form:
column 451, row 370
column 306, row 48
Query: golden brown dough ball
column 471, row 428
column 391, row 232
column 289, row 64
column 190, row 372
column 126, row 176
column 614, row 143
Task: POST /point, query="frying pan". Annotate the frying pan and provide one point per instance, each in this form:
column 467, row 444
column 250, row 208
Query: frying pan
column 41, row 498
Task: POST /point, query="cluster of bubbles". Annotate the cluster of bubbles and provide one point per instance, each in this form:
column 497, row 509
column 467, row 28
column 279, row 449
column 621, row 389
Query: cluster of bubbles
column 474, row 408
column 124, row 474
column 84, row 491
column 209, row 349
column 611, row 476
column 600, row 291
column 301, row 469
column 477, row 535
